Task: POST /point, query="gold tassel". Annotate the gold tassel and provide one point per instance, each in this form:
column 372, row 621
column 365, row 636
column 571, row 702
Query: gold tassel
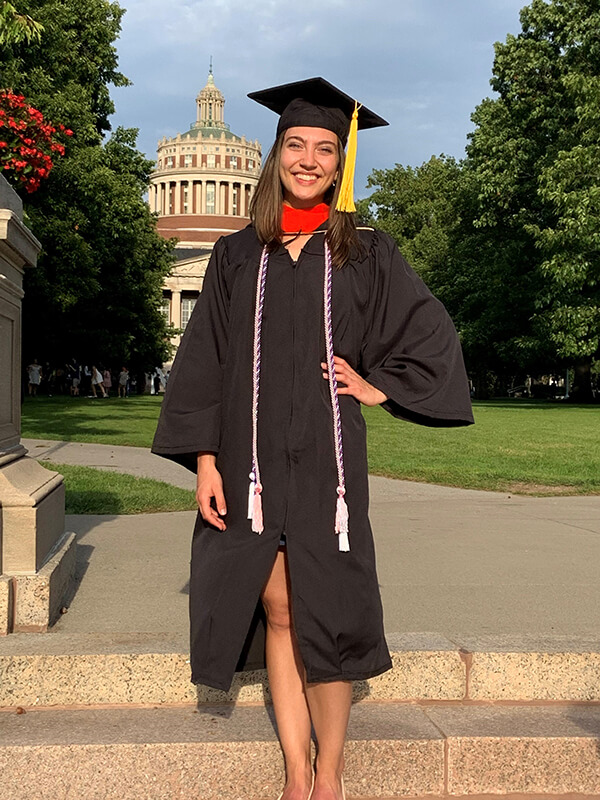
column 345, row 200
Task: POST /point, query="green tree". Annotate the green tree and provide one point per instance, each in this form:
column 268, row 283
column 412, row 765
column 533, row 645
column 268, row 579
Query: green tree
column 418, row 207
column 535, row 155
column 16, row 27
column 97, row 288
column 429, row 210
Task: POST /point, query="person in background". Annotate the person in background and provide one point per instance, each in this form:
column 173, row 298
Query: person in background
column 123, row 382
column 86, row 379
column 106, row 375
column 97, row 381
column 34, row 373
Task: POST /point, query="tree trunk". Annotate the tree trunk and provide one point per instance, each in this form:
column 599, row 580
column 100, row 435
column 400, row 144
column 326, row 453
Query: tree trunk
column 581, row 391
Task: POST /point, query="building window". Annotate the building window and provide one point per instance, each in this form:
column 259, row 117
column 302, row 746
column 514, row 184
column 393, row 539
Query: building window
column 170, row 162
column 187, row 306
column 235, row 200
column 233, row 162
column 250, row 163
column 187, row 162
column 185, row 198
column 210, row 160
column 210, row 198
column 165, row 308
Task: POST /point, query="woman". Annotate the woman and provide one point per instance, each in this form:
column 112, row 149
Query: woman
column 302, row 318
column 107, row 380
column 97, row 381
column 34, row 373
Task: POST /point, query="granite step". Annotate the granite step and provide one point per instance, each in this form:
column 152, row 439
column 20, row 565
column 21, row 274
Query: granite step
column 58, row 669
column 231, row 753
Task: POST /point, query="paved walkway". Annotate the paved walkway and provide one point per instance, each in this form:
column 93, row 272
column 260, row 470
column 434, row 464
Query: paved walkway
column 450, row 560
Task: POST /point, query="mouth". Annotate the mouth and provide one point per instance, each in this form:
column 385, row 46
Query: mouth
column 304, row 178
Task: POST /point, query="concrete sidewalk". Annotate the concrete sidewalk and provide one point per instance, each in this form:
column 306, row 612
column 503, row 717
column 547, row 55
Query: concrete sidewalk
column 450, row 560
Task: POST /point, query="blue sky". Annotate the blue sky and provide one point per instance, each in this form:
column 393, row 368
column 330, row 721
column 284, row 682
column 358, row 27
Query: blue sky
column 421, row 64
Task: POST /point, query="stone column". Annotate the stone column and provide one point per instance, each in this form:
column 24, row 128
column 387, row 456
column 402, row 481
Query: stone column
column 37, row 557
column 176, row 308
column 198, row 196
column 222, row 204
column 203, row 197
column 177, row 209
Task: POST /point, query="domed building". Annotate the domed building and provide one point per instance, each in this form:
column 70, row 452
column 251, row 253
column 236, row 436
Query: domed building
column 201, row 190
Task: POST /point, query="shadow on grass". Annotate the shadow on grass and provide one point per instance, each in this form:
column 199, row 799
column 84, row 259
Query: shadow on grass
column 538, row 405
column 90, row 501
column 81, row 419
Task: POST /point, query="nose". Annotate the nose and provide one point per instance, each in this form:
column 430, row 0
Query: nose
column 308, row 158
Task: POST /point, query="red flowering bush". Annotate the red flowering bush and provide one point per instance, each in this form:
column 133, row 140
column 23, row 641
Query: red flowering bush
column 28, row 142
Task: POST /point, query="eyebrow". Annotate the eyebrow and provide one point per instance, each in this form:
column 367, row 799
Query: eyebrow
column 302, row 139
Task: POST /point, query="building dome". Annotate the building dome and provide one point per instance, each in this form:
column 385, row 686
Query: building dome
column 200, row 190
column 210, row 105
column 205, row 177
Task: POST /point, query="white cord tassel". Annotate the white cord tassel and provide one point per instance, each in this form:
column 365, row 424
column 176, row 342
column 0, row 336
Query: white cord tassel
column 341, row 509
column 341, row 522
column 257, row 515
column 251, row 495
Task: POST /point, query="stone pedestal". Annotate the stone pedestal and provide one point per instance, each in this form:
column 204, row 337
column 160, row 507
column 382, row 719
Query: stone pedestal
column 37, row 558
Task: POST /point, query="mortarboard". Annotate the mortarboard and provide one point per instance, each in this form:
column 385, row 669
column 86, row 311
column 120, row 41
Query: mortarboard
column 316, row 103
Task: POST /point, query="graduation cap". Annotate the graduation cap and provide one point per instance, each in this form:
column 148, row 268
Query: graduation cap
column 316, row 103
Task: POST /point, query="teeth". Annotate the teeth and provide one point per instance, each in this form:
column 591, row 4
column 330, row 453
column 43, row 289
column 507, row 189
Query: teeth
column 306, row 177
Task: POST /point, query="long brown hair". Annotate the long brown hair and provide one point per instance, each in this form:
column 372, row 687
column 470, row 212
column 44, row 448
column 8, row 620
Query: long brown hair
column 266, row 203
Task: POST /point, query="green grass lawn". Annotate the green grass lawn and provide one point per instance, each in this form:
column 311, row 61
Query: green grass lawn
column 519, row 446
column 130, row 420
column 96, row 491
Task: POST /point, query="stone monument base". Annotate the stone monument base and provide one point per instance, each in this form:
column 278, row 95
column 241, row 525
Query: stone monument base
column 38, row 557
column 37, row 599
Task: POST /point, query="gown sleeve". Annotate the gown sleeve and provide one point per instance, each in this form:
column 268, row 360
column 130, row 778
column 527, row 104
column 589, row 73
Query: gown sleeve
column 411, row 351
column 190, row 417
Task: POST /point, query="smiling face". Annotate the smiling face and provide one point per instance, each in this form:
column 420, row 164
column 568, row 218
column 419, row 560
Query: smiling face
column 308, row 165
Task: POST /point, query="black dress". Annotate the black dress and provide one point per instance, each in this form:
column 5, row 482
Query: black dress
column 391, row 330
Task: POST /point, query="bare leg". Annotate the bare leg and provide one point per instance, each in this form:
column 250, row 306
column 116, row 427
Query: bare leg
column 329, row 705
column 286, row 679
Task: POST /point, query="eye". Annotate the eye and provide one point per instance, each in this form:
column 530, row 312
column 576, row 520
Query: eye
column 326, row 150
column 294, row 145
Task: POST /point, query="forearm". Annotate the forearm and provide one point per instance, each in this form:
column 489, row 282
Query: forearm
column 206, row 459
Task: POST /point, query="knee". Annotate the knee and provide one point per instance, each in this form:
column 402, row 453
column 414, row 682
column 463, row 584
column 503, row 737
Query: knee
column 277, row 610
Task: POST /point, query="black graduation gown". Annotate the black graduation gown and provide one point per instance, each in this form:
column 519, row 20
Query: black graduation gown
column 389, row 328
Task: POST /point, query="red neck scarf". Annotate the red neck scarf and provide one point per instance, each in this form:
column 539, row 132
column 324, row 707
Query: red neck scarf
column 303, row 220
